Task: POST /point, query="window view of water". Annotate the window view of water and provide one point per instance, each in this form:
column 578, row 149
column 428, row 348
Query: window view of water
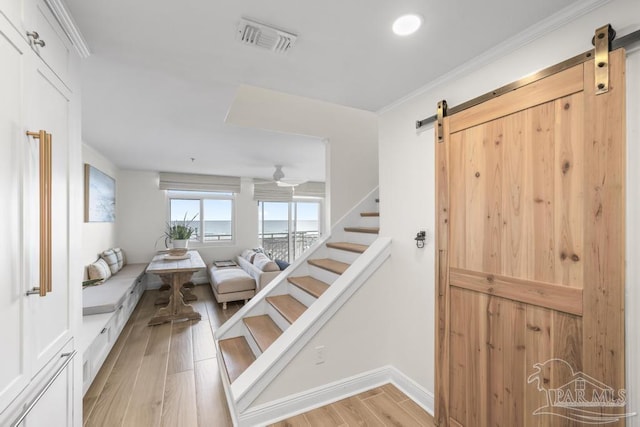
column 223, row 228
column 286, row 229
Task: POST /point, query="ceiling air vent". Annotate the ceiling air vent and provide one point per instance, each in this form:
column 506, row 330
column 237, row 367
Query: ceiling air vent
column 264, row 36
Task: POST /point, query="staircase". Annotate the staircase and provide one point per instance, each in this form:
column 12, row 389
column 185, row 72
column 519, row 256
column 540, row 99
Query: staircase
column 261, row 338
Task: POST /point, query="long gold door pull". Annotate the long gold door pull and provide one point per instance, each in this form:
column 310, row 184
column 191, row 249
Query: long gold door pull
column 45, row 210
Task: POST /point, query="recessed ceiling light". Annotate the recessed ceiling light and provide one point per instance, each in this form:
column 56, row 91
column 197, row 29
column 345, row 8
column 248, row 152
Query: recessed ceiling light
column 407, row 24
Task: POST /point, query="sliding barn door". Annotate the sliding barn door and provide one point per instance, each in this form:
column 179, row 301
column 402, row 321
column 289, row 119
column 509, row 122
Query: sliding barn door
column 530, row 261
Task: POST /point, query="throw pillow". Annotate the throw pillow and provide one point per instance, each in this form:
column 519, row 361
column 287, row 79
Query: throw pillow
column 99, row 270
column 247, row 254
column 282, row 264
column 111, row 259
column 264, row 263
column 119, row 257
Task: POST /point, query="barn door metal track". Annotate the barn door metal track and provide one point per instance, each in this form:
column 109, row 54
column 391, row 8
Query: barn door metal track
column 604, row 41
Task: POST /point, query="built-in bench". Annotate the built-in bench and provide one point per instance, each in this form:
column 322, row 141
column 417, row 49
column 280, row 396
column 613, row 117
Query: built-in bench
column 106, row 309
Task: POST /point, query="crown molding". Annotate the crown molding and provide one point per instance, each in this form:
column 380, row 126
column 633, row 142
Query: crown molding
column 555, row 21
column 60, row 11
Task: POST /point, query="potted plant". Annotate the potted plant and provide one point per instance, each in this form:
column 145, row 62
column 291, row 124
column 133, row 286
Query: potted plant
column 179, row 232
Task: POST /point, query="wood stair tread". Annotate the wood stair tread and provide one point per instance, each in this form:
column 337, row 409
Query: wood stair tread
column 365, row 214
column 263, row 329
column 237, row 356
column 370, row 230
column 309, row 284
column 329, row 265
column 288, row 306
column 347, row 246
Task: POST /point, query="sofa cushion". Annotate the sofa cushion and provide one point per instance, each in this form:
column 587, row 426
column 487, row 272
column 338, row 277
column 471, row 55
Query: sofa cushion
column 132, row 271
column 109, row 256
column 226, row 280
column 105, row 298
column 99, row 270
column 264, row 263
column 109, row 296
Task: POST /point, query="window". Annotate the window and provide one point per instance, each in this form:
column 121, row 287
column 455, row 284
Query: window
column 287, row 229
column 211, row 214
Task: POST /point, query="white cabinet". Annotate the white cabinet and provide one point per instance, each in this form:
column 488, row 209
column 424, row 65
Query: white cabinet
column 101, row 331
column 51, row 402
column 36, row 332
column 14, row 375
column 35, row 23
column 48, row 109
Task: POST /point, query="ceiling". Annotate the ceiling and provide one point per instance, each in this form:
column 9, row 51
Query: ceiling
column 162, row 74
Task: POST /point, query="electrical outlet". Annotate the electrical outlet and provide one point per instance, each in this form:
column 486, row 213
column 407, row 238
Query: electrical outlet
column 320, row 355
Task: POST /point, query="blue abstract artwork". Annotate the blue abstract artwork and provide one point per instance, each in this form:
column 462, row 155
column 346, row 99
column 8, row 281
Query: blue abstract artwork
column 100, row 196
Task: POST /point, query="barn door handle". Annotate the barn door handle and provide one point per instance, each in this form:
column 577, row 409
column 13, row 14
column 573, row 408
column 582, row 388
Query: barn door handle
column 45, row 210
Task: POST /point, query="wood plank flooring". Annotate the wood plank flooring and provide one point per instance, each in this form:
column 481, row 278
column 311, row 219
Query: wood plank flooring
column 381, row 406
column 167, row 375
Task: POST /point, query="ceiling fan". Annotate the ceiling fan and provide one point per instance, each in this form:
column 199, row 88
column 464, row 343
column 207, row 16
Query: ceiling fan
column 280, row 180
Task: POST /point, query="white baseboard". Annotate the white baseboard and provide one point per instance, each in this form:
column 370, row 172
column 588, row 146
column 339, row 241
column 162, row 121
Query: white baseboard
column 415, row 391
column 307, row 400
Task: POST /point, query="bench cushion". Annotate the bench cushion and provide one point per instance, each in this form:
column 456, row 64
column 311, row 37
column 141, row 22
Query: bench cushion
column 107, row 297
column 226, row 280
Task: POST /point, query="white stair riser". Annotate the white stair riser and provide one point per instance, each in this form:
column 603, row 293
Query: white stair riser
column 343, row 256
column 301, row 295
column 322, row 274
column 277, row 318
column 252, row 342
column 360, row 238
column 369, row 221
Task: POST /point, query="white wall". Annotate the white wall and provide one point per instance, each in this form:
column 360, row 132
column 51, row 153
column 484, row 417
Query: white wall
column 98, row 236
column 352, row 134
column 355, row 340
column 143, row 215
column 407, row 178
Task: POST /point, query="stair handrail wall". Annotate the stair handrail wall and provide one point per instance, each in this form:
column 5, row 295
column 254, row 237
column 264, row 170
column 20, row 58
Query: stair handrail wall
column 250, row 384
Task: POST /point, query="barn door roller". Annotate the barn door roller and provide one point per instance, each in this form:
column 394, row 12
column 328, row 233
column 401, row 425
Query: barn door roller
column 604, row 43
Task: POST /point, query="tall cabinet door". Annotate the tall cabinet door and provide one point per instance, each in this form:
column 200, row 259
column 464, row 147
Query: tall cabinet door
column 13, row 372
column 49, row 316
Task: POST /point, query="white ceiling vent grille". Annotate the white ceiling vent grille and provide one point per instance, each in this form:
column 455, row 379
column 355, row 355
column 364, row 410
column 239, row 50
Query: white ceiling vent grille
column 264, row 36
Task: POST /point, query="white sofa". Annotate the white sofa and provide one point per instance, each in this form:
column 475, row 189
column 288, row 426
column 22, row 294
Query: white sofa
column 241, row 282
column 262, row 278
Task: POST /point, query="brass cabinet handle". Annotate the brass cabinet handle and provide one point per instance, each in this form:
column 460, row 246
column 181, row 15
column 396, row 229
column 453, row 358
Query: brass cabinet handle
column 45, row 210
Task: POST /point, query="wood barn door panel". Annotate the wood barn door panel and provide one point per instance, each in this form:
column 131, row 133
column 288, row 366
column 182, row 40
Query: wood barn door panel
column 605, row 130
column 531, row 250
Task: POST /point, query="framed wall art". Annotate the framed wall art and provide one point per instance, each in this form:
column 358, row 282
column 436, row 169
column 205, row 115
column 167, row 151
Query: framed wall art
column 99, row 196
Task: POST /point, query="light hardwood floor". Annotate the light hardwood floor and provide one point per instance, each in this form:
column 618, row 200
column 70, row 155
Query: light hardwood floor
column 167, row 375
column 381, row 406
